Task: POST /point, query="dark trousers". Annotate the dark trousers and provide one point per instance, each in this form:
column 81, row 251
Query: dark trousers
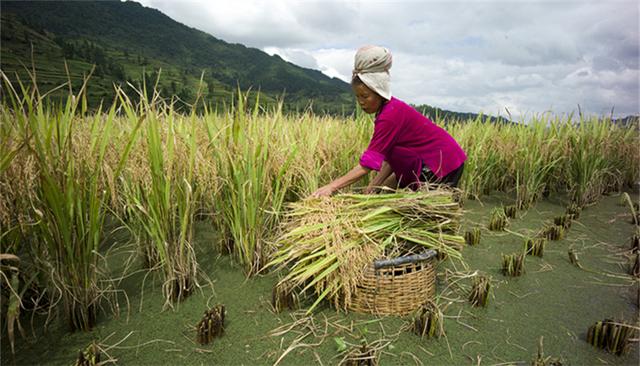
column 450, row 179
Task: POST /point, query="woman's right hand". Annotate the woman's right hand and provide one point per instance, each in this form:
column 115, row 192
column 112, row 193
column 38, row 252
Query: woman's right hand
column 325, row 191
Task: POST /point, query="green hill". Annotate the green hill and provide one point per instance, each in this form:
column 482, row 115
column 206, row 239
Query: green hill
column 129, row 42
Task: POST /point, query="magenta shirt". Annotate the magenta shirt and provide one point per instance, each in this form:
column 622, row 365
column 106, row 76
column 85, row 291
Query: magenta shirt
column 406, row 140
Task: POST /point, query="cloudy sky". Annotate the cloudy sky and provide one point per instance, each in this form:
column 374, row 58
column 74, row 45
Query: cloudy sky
column 470, row 56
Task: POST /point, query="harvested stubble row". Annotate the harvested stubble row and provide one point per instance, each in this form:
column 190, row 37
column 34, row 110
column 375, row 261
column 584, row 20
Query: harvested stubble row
column 328, row 242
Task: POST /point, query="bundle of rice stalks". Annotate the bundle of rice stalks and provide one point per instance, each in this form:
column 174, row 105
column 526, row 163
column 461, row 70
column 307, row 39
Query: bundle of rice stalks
column 284, row 297
column 498, row 220
column 513, row 264
column 90, row 356
column 574, row 210
column 327, row 243
column 612, row 336
column 563, row 220
column 211, row 325
column 553, row 232
column 472, row 237
column 511, row 211
column 429, row 321
column 535, row 246
column 480, row 290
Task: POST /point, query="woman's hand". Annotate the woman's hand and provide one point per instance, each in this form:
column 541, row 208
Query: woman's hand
column 353, row 175
column 325, row 191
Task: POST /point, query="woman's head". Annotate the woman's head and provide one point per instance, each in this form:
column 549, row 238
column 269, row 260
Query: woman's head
column 371, row 67
column 369, row 100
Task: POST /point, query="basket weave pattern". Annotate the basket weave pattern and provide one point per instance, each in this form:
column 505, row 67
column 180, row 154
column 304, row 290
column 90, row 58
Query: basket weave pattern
column 395, row 290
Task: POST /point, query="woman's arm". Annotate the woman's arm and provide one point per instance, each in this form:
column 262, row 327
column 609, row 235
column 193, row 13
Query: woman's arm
column 378, row 181
column 352, row 176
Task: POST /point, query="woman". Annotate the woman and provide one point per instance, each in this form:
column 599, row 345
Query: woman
column 406, row 149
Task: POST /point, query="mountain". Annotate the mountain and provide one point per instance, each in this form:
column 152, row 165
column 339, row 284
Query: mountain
column 127, row 41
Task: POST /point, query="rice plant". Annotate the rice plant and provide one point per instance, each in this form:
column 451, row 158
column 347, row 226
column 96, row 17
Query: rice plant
column 498, row 220
column 513, row 264
column 164, row 211
column 480, row 290
column 255, row 182
column 613, row 336
column 70, row 201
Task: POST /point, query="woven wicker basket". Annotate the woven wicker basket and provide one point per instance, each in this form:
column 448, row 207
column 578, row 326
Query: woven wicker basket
column 396, row 287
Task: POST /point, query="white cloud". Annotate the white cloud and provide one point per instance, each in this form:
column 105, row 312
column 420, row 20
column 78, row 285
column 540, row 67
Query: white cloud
column 461, row 55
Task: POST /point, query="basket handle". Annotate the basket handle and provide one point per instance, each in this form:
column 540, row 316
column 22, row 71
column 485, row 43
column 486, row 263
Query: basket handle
column 427, row 254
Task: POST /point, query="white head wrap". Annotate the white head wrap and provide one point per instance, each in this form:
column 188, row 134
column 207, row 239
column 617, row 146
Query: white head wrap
column 371, row 65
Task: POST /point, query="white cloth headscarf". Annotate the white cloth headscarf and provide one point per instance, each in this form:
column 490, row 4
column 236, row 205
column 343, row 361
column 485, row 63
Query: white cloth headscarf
column 371, row 65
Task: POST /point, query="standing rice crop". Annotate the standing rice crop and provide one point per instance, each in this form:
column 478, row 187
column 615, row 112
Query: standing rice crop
column 70, row 201
column 164, row 211
column 254, row 172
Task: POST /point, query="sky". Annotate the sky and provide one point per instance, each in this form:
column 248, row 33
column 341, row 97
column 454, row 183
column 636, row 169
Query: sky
column 527, row 57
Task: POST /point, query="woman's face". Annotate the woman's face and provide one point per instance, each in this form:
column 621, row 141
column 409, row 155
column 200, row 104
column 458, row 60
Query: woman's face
column 369, row 101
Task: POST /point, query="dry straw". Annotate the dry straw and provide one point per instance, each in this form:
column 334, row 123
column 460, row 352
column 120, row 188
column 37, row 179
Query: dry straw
column 327, row 243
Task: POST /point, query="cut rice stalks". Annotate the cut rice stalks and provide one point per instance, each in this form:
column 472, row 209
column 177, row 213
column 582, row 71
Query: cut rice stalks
column 635, row 265
column 472, row 237
column 513, row 264
column 327, row 243
column 545, row 361
column 612, row 336
column 90, row 356
column 553, row 232
column 429, row 321
column 635, row 241
column 211, row 325
column 563, row 220
column 574, row 210
column 480, row 290
column 498, row 220
column 535, row 246
column 573, row 258
column 511, row 211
